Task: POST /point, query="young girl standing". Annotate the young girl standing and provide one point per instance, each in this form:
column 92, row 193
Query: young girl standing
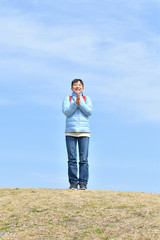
column 77, row 109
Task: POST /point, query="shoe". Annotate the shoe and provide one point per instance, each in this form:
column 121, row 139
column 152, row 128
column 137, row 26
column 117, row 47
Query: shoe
column 73, row 186
column 83, row 186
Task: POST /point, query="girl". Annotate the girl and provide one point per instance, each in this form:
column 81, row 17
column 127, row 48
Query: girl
column 77, row 110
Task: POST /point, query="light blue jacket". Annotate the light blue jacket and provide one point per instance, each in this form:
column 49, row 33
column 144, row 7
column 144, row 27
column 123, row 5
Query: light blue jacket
column 77, row 116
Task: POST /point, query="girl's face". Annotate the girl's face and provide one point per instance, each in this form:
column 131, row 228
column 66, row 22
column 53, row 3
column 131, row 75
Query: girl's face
column 77, row 87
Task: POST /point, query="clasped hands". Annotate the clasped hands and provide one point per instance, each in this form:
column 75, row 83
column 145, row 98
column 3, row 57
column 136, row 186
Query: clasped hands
column 78, row 100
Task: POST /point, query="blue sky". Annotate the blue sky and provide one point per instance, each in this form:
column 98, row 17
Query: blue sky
column 114, row 46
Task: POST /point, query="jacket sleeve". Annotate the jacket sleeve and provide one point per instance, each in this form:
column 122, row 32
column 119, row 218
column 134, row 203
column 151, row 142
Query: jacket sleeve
column 68, row 107
column 86, row 107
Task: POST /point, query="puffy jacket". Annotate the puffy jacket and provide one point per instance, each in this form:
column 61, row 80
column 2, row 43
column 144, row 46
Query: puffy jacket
column 77, row 116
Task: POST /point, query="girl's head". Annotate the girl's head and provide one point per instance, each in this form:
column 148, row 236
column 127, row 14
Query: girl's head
column 77, row 86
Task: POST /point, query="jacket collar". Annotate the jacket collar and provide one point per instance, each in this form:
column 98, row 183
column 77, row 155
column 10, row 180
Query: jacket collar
column 75, row 94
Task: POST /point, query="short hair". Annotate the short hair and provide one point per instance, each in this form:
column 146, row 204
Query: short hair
column 76, row 80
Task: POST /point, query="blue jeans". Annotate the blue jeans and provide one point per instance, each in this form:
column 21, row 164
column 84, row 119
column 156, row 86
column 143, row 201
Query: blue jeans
column 83, row 145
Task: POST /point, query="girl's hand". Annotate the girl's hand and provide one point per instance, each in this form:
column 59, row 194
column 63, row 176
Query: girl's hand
column 78, row 100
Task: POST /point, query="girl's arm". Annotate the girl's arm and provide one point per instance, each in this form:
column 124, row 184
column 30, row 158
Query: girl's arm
column 68, row 107
column 86, row 107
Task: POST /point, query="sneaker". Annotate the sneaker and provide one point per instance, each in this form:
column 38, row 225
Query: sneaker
column 73, row 186
column 83, row 186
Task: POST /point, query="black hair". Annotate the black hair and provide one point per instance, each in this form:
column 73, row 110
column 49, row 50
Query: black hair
column 76, row 80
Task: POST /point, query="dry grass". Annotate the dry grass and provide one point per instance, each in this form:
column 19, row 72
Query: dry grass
column 67, row 214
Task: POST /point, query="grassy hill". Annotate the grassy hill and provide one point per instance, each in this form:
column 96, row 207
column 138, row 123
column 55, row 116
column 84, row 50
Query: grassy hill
column 68, row 214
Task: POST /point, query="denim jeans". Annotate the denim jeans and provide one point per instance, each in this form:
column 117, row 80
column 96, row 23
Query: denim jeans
column 83, row 145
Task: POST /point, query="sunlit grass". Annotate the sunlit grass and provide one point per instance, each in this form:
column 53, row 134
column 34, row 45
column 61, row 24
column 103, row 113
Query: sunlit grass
column 66, row 214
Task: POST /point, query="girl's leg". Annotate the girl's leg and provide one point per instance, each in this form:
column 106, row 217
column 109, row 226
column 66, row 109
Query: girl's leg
column 71, row 144
column 83, row 143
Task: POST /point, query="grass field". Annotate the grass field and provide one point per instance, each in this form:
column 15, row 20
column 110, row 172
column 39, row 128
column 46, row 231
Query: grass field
column 69, row 214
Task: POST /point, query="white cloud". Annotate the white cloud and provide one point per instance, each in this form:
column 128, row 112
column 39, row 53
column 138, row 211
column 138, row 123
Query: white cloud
column 67, row 43
column 122, row 64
